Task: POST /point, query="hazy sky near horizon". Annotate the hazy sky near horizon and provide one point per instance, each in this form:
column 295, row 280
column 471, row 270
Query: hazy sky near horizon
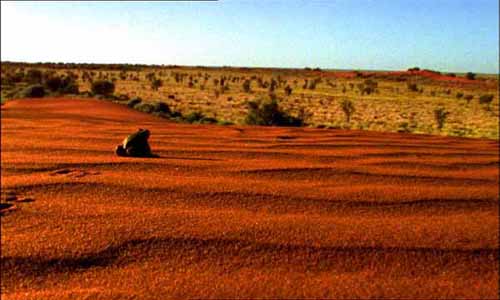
column 444, row 35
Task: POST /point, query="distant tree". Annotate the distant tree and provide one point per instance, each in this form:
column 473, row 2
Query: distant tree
column 288, row 90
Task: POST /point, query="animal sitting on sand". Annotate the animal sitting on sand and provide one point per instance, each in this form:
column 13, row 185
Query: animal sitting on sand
column 135, row 145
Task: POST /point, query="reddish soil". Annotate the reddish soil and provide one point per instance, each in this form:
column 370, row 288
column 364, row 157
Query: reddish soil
column 240, row 212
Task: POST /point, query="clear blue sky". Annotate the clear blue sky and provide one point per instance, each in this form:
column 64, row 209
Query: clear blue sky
column 445, row 35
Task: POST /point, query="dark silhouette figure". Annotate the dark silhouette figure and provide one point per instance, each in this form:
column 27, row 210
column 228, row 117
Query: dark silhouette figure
column 135, row 145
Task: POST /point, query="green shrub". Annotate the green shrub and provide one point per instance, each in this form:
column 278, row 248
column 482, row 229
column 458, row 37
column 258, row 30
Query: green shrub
column 224, row 122
column 103, row 87
column 208, row 120
column 268, row 113
column 161, row 107
column 404, row 127
column 194, row 117
column 133, row 102
column 33, row 91
column 145, row 107
column 199, row 118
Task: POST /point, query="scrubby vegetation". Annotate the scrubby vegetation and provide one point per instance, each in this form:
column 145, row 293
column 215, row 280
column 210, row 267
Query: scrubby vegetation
column 383, row 101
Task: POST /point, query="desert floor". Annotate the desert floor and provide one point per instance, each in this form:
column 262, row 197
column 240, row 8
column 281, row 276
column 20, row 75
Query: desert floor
column 240, row 211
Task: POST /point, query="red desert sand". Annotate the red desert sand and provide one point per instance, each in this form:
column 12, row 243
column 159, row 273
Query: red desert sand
column 240, row 211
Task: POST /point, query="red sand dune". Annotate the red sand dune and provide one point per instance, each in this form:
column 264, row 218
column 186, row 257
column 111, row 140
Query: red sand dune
column 240, row 212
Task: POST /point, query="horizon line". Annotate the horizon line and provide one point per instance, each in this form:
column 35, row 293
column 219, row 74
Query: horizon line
column 308, row 68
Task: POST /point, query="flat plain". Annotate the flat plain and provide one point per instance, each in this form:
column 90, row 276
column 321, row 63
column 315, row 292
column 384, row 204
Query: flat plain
column 240, row 211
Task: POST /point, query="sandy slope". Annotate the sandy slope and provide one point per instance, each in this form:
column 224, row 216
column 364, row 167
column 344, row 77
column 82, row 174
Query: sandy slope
column 240, row 211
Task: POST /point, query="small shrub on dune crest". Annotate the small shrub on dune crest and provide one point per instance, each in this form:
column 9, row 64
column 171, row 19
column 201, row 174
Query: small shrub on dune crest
column 199, row 118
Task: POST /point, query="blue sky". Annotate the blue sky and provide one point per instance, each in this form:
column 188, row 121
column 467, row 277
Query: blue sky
column 445, row 35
